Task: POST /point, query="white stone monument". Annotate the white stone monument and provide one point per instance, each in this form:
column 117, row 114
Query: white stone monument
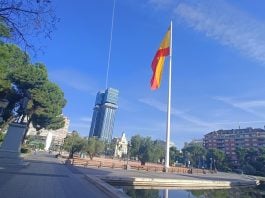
column 10, row 148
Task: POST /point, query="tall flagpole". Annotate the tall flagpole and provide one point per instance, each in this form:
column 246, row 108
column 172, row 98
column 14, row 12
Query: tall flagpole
column 110, row 42
column 169, row 103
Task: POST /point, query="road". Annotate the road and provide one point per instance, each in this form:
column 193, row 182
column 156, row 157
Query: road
column 45, row 177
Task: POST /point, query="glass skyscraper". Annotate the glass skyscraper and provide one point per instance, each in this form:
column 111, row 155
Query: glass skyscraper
column 104, row 114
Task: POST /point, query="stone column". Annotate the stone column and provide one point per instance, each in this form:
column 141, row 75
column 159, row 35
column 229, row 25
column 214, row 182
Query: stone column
column 10, row 148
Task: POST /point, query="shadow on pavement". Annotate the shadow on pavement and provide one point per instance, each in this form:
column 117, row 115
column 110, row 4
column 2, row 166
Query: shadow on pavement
column 33, row 174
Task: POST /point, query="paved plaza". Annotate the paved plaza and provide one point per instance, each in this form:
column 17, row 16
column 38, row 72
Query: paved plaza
column 45, row 177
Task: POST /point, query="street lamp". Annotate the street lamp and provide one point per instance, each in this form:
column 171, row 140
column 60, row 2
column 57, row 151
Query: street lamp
column 188, row 159
column 128, row 154
column 203, row 160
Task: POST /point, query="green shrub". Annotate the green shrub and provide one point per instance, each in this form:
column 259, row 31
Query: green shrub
column 2, row 136
column 24, row 150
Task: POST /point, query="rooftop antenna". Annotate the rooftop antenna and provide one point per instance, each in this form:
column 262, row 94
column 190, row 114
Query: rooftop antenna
column 110, row 42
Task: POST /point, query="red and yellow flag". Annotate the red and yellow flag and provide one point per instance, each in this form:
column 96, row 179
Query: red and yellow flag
column 158, row 61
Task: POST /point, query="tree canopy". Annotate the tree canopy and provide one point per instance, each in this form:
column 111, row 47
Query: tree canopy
column 146, row 150
column 45, row 106
column 217, row 159
column 195, row 154
column 11, row 57
column 175, row 155
column 94, row 146
column 28, row 90
column 73, row 143
column 252, row 161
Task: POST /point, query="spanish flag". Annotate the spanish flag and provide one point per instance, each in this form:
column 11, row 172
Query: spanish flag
column 158, row 61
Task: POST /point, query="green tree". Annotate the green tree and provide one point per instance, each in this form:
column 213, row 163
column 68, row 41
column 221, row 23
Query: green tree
column 11, row 57
column 45, row 106
column 241, row 155
column 110, row 148
column 249, row 169
column 41, row 146
column 29, row 76
column 135, row 145
column 24, row 80
column 195, row 154
column 2, row 136
column 4, row 30
column 252, row 160
column 93, row 147
column 73, row 144
column 31, row 93
column 251, row 155
column 175, row 155
column 158, row 151
column 260, row 166
column 145, row 149
column 216, row 159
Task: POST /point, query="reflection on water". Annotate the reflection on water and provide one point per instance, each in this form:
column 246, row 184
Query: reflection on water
column 165, row 193
column 142, row 193
column 220, row 193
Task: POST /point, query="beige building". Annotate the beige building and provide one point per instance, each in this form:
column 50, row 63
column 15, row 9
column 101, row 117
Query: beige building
column 121, row 146
column 53, row 138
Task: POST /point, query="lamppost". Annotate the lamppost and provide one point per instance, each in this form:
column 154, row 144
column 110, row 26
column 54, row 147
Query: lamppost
column 203, row 164
column 203, row 160
column 128, row 154
column 214, row 165
column 211, row 163
column 188, row 160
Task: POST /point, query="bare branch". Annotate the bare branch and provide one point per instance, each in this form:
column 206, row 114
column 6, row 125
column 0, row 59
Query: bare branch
column 12, row 8
column 27, row 19
column 18, row 31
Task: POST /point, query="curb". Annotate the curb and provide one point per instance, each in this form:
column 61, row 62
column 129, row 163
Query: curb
column 162, row 182
column 106, row 188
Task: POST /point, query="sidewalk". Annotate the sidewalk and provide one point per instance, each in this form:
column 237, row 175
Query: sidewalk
column 45, row 177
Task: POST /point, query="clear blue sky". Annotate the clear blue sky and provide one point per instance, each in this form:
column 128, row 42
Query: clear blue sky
column 218, row 64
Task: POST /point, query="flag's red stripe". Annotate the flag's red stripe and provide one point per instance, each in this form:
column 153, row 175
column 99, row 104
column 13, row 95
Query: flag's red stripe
column 160, row 53
column 154, row 84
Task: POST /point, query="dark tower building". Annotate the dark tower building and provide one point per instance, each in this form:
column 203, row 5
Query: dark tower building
column 104, row 114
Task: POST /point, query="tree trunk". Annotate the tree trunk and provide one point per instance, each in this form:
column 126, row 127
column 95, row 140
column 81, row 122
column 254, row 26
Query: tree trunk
column 142, row 163
column 71, row 155
column 91, row 156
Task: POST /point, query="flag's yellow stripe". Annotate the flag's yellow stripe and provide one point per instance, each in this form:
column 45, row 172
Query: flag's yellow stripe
column 158, row 61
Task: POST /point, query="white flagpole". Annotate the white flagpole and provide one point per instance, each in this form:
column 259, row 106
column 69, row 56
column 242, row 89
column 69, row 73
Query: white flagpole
column 110, row 42
column 169, row 103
